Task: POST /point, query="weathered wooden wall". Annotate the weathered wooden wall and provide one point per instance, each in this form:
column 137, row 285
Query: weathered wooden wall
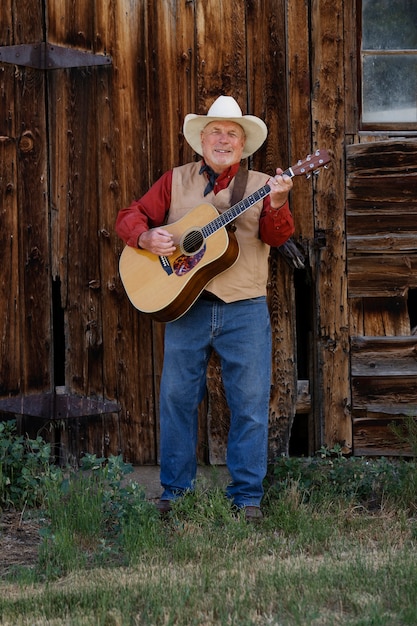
column 381, row 227
column 77, row 144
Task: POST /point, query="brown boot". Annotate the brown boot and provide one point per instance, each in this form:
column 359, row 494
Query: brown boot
column 253, row 513
column 164, row 507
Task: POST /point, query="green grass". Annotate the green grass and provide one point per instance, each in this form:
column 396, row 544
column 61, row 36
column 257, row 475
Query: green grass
column 310, row 561
column 201, row 574
column 337, row 545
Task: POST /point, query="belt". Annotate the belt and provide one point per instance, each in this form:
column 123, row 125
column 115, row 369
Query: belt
column 207, row 295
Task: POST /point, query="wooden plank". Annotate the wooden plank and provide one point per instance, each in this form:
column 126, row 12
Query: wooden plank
column 162, row 92
column 123, row 128
column 385, row 186
column 130, row 339
column 368, row 217
column 117, row 358
column 384, row 375
column 267, row 64
column 332, row 385
column 299, row 90
column 381, row 275
column 24, row 255
column 186, row 73
column 350, row 64
column 32, row 274
column 10, row 328
column 35, row 285
column 390, row 390
column 393, row 157
column 218, row 415
column 388, row 243
column 384, row 356
column 381, row 222
column 379, row 316
column 376, row 437
column 284, row 358
column 174, row 24
column 220, row 70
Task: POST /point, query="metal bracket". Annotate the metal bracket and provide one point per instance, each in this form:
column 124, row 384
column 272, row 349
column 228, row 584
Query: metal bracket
column 45, row 56
column 57, row 405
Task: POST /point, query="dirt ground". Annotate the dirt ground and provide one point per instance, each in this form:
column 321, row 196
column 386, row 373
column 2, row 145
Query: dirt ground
column 19, row 533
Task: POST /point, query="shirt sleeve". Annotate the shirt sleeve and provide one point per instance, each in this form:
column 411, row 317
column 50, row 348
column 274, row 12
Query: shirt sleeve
column 275, row 225
column 148, row 212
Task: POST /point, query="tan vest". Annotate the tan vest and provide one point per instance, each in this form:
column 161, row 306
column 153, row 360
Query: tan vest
column 247, row 278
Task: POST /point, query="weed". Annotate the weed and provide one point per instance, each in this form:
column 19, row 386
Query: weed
column 93, row 518
column 355, row 480
column 337, row 545
column 25, row 469
column 406, row 433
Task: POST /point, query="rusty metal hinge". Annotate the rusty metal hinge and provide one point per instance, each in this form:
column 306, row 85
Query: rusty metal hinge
column 45, row 56
column 57, row 405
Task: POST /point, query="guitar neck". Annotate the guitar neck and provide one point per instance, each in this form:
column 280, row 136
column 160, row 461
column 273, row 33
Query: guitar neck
column 240, row 207
column 309, row 165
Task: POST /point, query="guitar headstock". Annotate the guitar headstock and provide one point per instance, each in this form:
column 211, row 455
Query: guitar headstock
column 311, row 163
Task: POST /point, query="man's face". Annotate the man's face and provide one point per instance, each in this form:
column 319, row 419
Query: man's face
column 222, row 144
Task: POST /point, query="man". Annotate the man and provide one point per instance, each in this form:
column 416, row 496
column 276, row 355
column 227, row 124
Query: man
column 231, row 315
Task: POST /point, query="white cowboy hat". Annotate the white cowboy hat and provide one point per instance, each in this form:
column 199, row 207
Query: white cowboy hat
column 226, row 108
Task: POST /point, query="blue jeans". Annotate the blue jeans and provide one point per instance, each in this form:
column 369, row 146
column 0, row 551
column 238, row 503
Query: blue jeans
column 240, row 333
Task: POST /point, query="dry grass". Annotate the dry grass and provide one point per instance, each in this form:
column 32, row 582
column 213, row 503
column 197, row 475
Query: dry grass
column 348, row 568
column 317, row 558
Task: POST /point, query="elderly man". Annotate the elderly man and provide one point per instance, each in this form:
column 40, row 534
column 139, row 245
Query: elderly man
column 231, row 315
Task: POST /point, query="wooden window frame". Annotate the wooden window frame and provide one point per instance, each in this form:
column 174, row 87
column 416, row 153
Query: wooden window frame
column 391, row 128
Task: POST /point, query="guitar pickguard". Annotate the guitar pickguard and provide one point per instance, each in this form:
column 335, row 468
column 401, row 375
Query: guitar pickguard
column 184, row 263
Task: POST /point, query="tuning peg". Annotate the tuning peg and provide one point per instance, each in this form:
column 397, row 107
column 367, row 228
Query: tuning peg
column 316, row 172
column 308, row 176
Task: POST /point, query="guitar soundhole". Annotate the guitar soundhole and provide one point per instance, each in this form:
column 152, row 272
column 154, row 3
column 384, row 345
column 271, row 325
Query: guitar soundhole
column 192, row 242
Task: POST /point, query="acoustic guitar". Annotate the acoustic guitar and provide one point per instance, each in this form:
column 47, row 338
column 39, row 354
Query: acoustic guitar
column 165, row 287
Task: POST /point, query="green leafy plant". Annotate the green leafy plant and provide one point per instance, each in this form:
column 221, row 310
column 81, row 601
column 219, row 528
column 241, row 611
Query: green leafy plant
column 406, row 433
column 330, row 477
column 94, row 516
column 25, row 469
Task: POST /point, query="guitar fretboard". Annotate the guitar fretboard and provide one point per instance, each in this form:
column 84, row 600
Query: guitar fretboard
column 237, row 209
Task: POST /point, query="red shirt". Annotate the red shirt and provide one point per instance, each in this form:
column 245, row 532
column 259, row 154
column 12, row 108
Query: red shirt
column 275, row 225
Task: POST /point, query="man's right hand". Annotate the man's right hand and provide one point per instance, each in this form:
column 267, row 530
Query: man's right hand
column 157, row 240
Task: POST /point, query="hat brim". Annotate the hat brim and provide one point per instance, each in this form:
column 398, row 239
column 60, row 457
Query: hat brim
column 255, row 130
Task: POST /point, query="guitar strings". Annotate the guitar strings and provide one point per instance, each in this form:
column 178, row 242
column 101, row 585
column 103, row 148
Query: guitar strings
column 194, row 239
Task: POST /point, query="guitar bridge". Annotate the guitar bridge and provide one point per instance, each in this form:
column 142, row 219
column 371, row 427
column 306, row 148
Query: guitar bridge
column 166, row 265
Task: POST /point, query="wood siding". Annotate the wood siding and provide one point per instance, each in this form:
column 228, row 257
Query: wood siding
column 381, row 227
column 79, row 143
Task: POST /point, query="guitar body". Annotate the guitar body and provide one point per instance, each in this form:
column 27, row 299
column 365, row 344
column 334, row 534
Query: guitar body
column 166, row 287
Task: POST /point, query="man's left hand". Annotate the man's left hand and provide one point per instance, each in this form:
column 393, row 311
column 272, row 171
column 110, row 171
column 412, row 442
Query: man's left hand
column 281, row 186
